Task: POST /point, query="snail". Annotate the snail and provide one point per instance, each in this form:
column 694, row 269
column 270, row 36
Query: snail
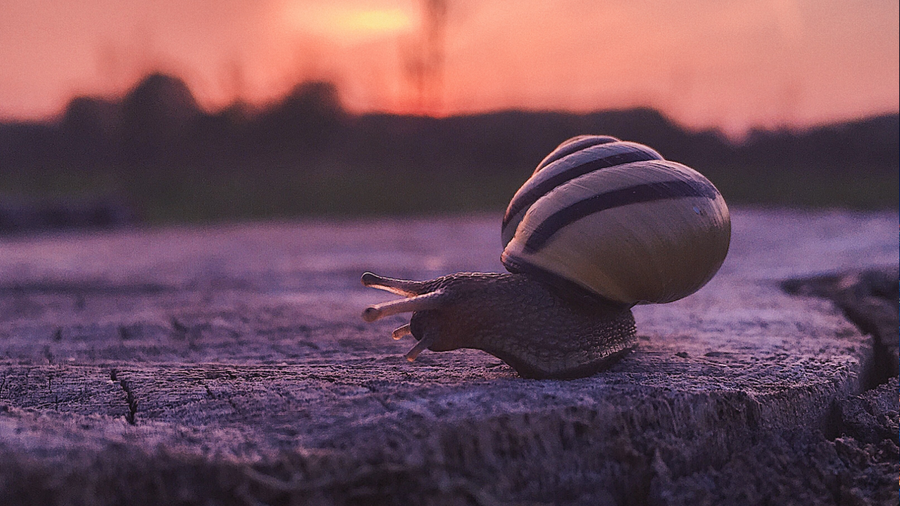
column 600, row 226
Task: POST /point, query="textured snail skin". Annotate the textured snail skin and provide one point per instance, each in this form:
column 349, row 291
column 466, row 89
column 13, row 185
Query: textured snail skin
column 519, row 320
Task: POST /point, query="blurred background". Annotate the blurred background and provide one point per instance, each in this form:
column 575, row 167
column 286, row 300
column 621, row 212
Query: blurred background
column 123, row 111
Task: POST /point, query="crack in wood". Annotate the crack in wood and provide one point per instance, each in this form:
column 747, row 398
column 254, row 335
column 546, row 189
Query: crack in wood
column 130, row 400
column 868, row 300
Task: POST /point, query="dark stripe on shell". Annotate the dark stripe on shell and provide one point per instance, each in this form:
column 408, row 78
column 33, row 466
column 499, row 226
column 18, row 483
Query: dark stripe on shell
column 565, row 288
column 647, row 192
column 572, row 145
column 524, row 201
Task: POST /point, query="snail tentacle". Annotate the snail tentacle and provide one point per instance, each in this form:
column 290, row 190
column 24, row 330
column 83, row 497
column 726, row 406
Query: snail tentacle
column 401, row 332
column 424, row 302
column 431, row 335
column 402, row 287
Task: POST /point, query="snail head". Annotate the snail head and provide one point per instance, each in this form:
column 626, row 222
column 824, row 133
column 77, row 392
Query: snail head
column 434, row 304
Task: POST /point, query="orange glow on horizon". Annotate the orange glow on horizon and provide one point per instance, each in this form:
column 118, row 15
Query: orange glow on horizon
column 342, row 24
column 376, row 21
column 732, row 66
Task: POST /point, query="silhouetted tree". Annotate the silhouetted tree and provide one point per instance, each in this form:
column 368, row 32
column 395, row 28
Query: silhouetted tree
column 159, row 128
column 155, row 115
column 308, row 119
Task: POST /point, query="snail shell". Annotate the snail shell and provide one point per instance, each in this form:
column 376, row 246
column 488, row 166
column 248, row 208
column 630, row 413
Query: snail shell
column 615, row 220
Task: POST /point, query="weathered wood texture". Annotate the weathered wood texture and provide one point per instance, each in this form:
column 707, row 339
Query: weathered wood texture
column 230, row 365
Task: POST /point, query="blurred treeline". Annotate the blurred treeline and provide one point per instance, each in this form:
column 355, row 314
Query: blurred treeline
column 156, row 152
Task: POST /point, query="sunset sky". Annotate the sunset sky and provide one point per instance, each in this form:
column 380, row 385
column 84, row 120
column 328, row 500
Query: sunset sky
column 728, row 64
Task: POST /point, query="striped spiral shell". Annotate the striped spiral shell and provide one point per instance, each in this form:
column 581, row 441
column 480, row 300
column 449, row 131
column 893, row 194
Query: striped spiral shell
column 618, row 221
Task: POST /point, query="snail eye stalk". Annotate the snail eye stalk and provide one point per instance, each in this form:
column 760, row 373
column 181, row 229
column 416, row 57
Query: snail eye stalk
column 423, row 302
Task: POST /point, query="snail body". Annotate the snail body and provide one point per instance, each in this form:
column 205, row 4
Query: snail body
column 600, row 226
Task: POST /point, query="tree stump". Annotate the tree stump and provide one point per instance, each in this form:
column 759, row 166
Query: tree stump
column 230, row 365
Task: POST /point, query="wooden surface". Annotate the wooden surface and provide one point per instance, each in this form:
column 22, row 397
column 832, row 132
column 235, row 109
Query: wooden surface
column 230, row 365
